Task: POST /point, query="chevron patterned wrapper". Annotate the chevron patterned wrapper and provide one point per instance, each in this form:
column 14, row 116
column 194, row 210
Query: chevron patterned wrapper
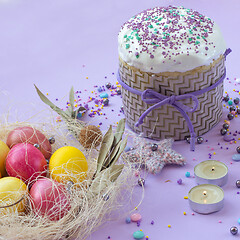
column 167, row 122
column 154, row 161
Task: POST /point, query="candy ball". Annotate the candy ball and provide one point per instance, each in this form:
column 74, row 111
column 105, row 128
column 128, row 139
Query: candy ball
column 50, row 199
column 230, row 116
column 238, row 149
column 238, row 183
column 225, row 125
column 12, row 190
column 223, row 131
column 200, row 140
column 4, row 149
column 108, row 85
column 226, row 98
column 141, row 182
column 26, row 162
column 233, row 230
column 32, row 136
column 68, row 164
column 187, row 174
column 236, row 100
column 154, row 147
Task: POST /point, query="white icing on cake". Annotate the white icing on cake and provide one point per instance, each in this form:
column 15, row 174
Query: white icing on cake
column 170, row 39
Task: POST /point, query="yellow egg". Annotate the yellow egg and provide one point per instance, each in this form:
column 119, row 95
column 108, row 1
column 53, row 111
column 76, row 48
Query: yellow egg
column 11, row 191
column 4, row 149
column 68, row 164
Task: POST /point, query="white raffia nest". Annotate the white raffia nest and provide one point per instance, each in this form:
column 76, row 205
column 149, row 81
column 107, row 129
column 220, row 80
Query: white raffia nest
column 88, row 210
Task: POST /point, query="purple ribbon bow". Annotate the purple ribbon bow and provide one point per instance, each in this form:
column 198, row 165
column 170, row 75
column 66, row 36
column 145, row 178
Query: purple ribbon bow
column 150, row 96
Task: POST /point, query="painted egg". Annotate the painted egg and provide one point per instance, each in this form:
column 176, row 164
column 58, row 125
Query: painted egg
column 4, row 149
column 49, row 199
column 68, row 164
column 26, row 162
column 32, row 136
column 12, row 190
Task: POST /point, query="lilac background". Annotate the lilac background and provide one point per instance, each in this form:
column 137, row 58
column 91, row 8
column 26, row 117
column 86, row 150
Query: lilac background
column 48, row 42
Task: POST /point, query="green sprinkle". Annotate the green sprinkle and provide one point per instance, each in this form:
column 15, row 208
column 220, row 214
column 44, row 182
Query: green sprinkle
column 205, row 30
column 137, row 56
column 127, row 46
column 125, row 36
column 174, row 15
column 198, row 37
column 153, row 43
column 190, row 39
column 157, row 23
column 150, row 26
column 164, row 37
column 190, row 31
column 197, row 42
column 203, row 37
column 155, row 17
column 166, row 26
column 160, row 19
column 138, row 38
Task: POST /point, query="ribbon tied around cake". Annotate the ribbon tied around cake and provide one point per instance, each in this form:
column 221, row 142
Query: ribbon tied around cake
column 151, row 97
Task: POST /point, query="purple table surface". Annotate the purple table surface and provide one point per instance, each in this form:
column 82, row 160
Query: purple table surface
column 62, row 43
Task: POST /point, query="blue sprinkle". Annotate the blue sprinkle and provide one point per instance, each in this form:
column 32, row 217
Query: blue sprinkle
column 128, row 220
column 100, row 89
column 236, row 157
column 103, row 95
column 187, row 174
column 79, row 115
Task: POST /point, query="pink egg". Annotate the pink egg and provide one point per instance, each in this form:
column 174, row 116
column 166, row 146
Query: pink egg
column 136, row 217
column 30, row 135
column 26, row 162
column 49, row 199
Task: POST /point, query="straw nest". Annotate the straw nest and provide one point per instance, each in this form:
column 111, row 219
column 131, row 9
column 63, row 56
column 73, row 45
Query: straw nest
column 92, row 201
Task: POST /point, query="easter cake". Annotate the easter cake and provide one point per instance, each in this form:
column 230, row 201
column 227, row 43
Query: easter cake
column 164, row 53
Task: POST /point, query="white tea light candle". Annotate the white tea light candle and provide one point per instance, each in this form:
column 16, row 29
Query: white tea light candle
column 211, row 172
column 206, row 198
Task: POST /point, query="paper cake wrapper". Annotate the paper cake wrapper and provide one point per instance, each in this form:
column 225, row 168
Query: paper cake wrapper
column 166, row 121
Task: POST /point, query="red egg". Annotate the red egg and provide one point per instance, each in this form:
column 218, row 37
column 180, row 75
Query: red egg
column 32, row 136
column 26, row 162
column 49, row 199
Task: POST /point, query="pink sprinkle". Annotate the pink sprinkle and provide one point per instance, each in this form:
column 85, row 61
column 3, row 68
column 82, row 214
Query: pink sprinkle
column 194, row 159
column 136, row 217
column 193, row 214
column 220, row 221
column 212, row 148
column 231, row 163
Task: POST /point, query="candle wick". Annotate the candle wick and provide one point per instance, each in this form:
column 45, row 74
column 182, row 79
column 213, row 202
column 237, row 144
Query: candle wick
column 213, row 169
column 204, row 193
